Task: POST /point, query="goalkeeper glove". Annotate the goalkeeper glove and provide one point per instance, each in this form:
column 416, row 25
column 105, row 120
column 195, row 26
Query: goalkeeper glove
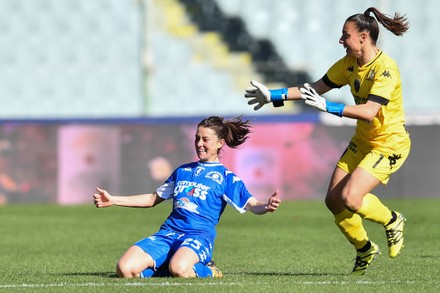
column 259, row 94
column 312, row 98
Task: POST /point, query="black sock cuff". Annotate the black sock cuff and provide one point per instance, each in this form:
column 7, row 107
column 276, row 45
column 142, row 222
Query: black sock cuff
column 366, row 247
column 393, row 218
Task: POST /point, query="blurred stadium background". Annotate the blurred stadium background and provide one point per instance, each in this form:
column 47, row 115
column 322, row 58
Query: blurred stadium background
column 108, row 92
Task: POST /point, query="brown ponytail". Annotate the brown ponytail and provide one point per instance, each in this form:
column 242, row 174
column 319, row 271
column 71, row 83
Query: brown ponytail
column 234, row 131
column 398, row 24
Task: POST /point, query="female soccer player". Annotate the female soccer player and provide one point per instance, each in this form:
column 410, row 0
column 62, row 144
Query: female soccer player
column 200, row 190
column 380, row 144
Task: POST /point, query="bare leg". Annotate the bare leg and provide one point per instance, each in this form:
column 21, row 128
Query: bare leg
column 132, row 262
column 346, row 191
column 182, row 263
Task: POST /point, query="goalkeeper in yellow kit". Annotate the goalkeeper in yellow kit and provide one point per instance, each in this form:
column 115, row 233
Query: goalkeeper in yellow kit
column 381, row 143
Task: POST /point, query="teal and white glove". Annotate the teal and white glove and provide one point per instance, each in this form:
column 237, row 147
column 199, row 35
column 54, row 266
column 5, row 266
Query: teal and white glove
column 259, row 94
column 312, row 98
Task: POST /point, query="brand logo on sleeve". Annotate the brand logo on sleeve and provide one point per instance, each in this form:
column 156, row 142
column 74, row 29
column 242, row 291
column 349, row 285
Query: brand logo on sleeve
column 386, row 73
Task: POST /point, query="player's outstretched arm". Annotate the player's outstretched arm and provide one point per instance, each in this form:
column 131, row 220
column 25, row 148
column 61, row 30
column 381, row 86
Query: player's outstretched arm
column 259, row 95
column 261, row 207
column 103, row 199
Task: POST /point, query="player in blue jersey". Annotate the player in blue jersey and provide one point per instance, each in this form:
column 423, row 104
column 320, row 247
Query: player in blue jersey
column 200, row 191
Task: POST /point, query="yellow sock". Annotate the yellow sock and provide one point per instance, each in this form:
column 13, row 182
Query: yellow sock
column 374, row 210
column 351, row 226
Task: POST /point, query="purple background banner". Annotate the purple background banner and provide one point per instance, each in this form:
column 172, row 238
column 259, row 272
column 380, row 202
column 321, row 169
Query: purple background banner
column 62, row 162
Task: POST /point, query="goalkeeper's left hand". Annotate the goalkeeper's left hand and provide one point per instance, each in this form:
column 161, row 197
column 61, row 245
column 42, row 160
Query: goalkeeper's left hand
column 312, row 98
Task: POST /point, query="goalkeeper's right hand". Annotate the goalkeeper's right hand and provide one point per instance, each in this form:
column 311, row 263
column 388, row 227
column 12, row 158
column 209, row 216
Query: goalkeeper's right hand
column 259, row 94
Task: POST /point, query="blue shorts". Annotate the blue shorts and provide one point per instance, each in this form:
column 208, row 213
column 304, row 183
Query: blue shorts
column 162, row 245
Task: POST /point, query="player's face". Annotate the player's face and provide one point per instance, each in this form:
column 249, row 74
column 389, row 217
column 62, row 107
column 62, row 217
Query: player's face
column 207, row 144
column 351, row 39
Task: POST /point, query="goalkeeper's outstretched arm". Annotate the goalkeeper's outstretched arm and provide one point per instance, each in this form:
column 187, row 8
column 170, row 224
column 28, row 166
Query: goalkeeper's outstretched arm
column 259, row 95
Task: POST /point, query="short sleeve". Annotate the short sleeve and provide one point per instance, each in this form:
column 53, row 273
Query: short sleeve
column 236, row 193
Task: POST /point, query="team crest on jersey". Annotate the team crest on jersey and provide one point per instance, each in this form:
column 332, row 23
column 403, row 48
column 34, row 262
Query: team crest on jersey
column 199, row 170
column 350, row 69
column 371, row 74
column 357, row 85
column 216, row 176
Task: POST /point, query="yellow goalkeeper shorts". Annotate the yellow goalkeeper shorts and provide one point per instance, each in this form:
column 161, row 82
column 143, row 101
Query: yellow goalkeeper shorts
column 378, row 163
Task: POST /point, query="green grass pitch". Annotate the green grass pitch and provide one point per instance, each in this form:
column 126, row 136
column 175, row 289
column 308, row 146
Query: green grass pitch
column 49, row 248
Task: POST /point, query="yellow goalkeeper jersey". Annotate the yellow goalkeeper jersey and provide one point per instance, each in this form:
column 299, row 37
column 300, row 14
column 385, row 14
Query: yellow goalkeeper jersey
column 378, row 81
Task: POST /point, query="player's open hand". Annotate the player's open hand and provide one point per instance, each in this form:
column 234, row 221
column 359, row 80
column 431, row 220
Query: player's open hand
column 257, row 94
column 274, row 202
column 102, row 199
column 312, row 98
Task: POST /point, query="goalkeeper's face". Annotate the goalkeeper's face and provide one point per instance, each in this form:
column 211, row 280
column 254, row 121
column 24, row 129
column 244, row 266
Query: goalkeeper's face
column 207, row 144
column 352, row 39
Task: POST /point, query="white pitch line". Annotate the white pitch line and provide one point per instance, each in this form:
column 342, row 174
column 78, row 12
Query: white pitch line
column 165, row 284
column 135, row 284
